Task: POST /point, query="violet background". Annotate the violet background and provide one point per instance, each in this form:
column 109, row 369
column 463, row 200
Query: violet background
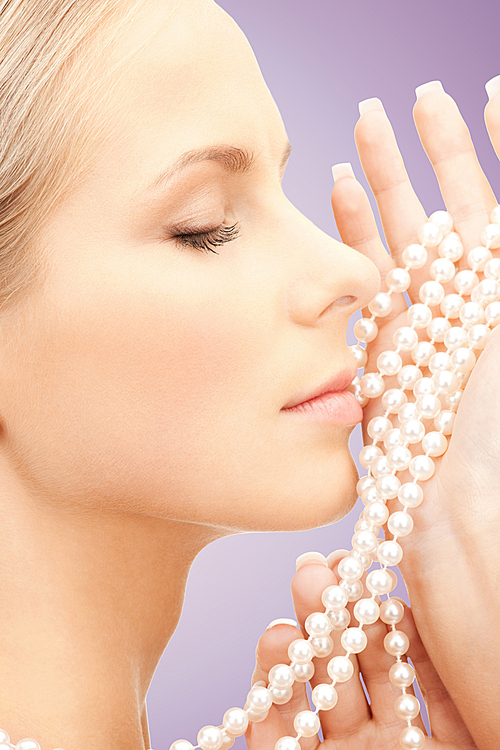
column 319, row 59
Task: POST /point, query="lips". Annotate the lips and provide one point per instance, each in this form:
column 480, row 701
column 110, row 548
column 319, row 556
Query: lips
column 338, row 383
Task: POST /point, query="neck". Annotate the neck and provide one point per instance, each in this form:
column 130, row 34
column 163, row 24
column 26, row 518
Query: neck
column 88, row 605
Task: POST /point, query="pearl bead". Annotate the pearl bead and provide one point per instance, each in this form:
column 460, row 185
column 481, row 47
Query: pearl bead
column 227, row 741
column 389, row 363
column 401, row 674
column 400, row 523
column 431, row 293
column 463, row 359
column 177, row 745
column 280, row 696
column 406, row 706
column 287, row 743
column 354, row 589
column 407, row 411
column 368, row 454
column 256, row 716
column 393, row 437
column 495, row 215
column 419, row 316
column 366, row 611
column 379, row 582
column 393, row 400
column 353, row 640
column 490, row 236
column 492, row 314
column 399, row 458
column 364, row 482
column 376, row 513
column 378, row 426
column 437, row 328
column 430, row 234
column 363, row 525
column 371, row 495
column 388, row 485
column 465, row 281
column 451, row 305
column 350, row 569
column 27, row 744
column 428, row 405
column 451, row 247
column 434, row 443
column 340, row 668
column 365, row 330
column 360, row 355
column 334, row 597
column 412, row 738
column 414, row 256
column 471, row 314
column 410, row 495
column 380, row 467
column 421, row 468
column 439, row 361
column 322, row 646
column 300, row 651
column 486, row 291
column 408, row 376
column 389, row 553
column 492, row 269
column 478, row 257
column 324, row 697
column 443, row 220
column 442, row 270
column 317, row 624
column 444, row 422
column 372, row 385
column 478, row 336
column 235, row 721
column 365, row 541
column 422, row 352
column 281, row 676
column 445, row 381
column 391, row 611
column 381, row 305
column 306, row 723
column 303, row 672
column 424, row 385
column 405, row 338
column 398, row 280
column 455, row 337
column 396, row 643
column 259, row 698
column 210, row 738
column 360, row 398
column 339, row 618
column 413, row 431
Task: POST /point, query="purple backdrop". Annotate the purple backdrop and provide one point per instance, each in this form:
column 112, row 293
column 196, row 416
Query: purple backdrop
column 319, row 60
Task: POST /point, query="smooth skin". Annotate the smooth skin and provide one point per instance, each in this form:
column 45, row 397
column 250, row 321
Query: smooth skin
column 451, row 558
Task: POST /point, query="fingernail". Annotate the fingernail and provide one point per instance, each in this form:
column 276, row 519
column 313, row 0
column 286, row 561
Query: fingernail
column 282, row 621
column 492, row 87
column 310, row 557
column 431, row 86
column 334, row 557
column 259, row 683
column 367, row 104
column 342, row 170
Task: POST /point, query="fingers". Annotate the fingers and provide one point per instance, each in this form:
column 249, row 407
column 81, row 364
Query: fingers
column 492, row 113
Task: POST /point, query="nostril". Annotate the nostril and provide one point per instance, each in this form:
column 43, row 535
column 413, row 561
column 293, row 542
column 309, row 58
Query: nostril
column 345, row 301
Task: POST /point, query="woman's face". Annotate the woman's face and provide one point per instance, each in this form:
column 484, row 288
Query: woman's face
column 149, row 376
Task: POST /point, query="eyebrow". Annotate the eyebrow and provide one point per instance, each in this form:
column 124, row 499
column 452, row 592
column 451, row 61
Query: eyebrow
column 234, row 161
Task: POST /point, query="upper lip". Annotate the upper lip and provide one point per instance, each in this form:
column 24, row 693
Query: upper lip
column 338, row 383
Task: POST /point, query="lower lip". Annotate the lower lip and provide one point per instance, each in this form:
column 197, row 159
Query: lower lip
column 340, row 407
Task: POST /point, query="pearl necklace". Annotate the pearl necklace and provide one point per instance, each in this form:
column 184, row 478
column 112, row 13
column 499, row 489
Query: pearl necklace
column 436, row 398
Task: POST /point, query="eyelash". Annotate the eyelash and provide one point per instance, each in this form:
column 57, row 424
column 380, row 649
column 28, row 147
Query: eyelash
column 216, row 237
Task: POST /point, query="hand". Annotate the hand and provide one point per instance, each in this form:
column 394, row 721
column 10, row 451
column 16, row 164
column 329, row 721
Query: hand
column 352, row 723
column 452, row 556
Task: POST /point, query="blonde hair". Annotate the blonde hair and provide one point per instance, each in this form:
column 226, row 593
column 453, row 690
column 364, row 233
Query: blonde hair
column 53, row 80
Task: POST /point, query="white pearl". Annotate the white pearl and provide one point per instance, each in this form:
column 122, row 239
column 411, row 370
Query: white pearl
column 303, row 672
column 389, row 362
column 380, row 467
column 490, row 236
column 350, row 569
column 451, row 247
column 381, row 305
column 372, row 385
column 407, row 411
column 455, row 337
column 317, row 624
column 378, row 426
column 463, row 359
column 471, row 314
column 379, row 582
column 492, row 269
column 322, row 646
column 363, row 525
column 365, row 541
column 360, row 355
column 389, row 553
column 4, row 737
column 27, row 744
column 430, row 234
column 354, row 589
column 406, row 706
column 287, row 743
column 451, row 305
column 399, row 458
column 306, row 723
column 450, row 401
column 366, row 611
column 408, row 376
column 424, row 385
column 354, row 640
column 365, row 481
column 177, row 745
column 422, row 352
column 393, row 399
column 400, row 523
column 398, row 280
column 443, row 220
column 421, row 468
column 235, row 721
column 478, row 257
column 256, row 716
column 280, row 696
column 227, row 741
column 445, row 381
column 412, row 738
column 391, row 611
column 401, row 674
column 371, row 495
column 396, row 643
column 419, row 316
column 339, row 618
column 340, row 669
column 300, row 651
column 413, row 431
column 465, row 281
column 365, row 330
column 334, row 597
column 388, row 485
column 437, row 328
column 428, row 405
column 414, row 256
column 324, row 697
column 492, row 314
column 495, row 215
column 434, row 443
column 442, row 270
column 410, row 494
column 210, row 738
column 376, row 513
column 478, row 336
column 393, row 437
column 444, row 422
column 259, row 698
column 439, row 361
column 488, row 290
column 281, row 676
column 431, row 293
column 368, row 454
column 405, row 338
column 360, row 398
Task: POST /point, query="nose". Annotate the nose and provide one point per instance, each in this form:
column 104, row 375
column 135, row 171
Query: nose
column 327, row 278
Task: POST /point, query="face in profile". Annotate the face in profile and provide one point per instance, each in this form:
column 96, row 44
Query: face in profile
column 184, row 309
